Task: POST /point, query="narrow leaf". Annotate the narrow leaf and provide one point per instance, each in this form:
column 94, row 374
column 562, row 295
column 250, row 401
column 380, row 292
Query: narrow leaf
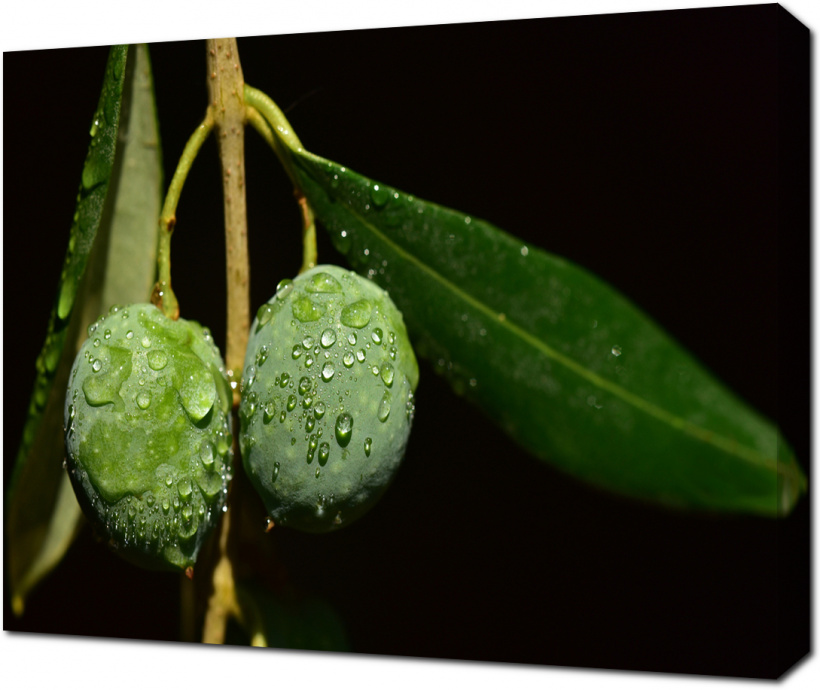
column 110, row 258
column 565, row 364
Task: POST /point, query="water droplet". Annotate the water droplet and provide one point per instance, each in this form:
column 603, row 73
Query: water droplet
column 304, row 385
column 143, row 400
column 343, row 245
column 360, row 355
column 310, row 422
column 387, row 374
column 307, row 342
column 323, row 283
column 357, row 315
column 223, row 443
column 270, row 412
column 368, row 445
column 306, row 310
column 344, row 429
column 166, row 505
column 291, row 402
column 264, row 314
column 392, row 352
column 262, row 355
column 284, row 380
column 296, row 352
column 379, row 195
column 283, row 288
column 195, row 385
column 377, row 335
column 97, row 365
column 250, row 402
column 275, row 473
column 319, row 410
column 324, row 453
column 307, row 402
column 308, row 361
column 351, row 338
column 129, row 335
column 184, row 488
column 146, row 341
column 616, row 350
column 328, row 338
column 96, row 342
column 348, row 359
column 327, row 371
column 524, row 251
column 157, row 360
column 384, row 407
column 206, row 454
column 107, row 334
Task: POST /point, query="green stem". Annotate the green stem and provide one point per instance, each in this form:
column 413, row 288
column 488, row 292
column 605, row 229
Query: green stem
column 163, row 296
column 274, row 115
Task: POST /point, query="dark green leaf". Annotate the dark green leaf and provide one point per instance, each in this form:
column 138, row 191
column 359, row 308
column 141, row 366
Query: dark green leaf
column 110, row 259
column 566, row 365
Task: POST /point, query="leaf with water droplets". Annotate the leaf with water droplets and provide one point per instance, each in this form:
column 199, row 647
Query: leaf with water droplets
column 511, row 327
column 117, row 207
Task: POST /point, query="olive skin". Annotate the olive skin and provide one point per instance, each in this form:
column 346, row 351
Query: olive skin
column 327, row 399
column 148, row 434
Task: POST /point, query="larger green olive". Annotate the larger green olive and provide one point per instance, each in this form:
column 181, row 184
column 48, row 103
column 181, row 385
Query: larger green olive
column 327, row 398
column 148, row 435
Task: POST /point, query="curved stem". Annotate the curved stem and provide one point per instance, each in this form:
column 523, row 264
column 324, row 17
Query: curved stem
column 274, row 115
column 163, row 296
column 308, row 233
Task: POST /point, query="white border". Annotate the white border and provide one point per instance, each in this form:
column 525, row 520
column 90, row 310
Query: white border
column 30, row 661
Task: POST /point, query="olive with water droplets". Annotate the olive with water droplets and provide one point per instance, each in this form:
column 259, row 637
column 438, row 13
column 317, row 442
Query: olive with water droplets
column 341, row 431
column 148, row 434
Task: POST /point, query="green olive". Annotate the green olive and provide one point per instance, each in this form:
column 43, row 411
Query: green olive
column 327, row 398
column 148, row 434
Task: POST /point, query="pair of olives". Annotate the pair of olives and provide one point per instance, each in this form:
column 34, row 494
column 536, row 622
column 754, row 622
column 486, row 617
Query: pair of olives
column 325, row 414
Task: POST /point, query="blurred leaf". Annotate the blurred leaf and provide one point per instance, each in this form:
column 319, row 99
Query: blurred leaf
column 289, row 622
column 110, row 259
column 567, row 366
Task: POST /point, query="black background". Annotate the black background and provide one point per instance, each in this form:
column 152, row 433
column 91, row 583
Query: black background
column 651, row 149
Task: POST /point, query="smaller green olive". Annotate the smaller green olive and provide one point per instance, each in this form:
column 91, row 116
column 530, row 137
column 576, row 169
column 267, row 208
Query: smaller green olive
column 148, row 434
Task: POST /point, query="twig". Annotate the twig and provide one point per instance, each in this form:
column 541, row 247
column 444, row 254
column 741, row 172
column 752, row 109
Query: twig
column 226, row 94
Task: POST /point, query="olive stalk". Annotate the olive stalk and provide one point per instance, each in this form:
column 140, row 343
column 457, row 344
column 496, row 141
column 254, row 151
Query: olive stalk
column 226, row 95
column 163, row 296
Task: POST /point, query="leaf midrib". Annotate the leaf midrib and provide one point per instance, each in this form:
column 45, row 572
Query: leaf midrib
column 728, row 446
